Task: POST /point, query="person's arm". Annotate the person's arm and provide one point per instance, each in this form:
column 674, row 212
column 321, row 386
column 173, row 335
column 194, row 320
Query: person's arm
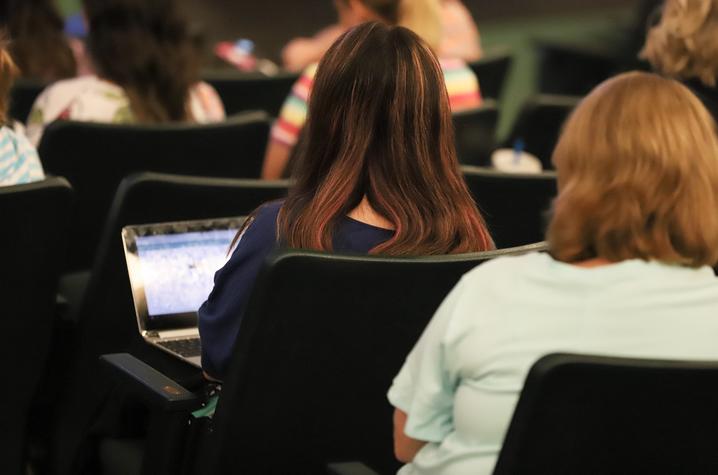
column 275, row 161
column 405, row 448
column 286, row 129
column 301, row 52
column 423, row 391
column 220, row 316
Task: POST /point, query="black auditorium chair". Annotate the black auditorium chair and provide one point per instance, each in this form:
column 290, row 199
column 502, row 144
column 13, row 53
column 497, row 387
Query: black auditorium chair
column 492, row 71
column 22, row 97
column 321, row 340
column 96, row 157
column 35, row 217
column 106, row 317
column 539, row 125
column 570, row 70
column 245, row 92
column 475, row 133
column 515, row 206
column 589, row 414
column 601, row 415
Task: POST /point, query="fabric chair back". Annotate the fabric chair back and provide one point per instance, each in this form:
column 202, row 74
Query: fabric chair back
column 589, row 414
column 22, row 98
column 106, row 317
column 568, row 70
column 539, row 125
column 96, row 157
column 34, row 235
column 475, row 131
column 320, row 342
column 493, row 70
column 244, row 92
column 515, row 206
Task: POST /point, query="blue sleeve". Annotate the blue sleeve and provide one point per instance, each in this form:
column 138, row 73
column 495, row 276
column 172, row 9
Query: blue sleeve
column 221, row 314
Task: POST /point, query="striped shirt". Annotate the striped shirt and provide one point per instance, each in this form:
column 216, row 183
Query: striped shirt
column 19, row 162
column 461, row 84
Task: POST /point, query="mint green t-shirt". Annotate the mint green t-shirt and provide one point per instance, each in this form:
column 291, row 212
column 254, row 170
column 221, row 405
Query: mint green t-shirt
column 460, row 383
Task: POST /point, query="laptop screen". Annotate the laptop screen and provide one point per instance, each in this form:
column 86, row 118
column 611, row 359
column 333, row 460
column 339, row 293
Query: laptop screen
column 171, row 268
column 178, row 269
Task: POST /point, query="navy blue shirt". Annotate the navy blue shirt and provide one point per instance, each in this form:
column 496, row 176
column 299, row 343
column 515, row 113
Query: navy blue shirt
column 221, row 314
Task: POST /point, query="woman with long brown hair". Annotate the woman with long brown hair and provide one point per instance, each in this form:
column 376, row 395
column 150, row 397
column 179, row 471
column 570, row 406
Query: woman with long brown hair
column 378, row 175
column 146, row 70
column 423, row 17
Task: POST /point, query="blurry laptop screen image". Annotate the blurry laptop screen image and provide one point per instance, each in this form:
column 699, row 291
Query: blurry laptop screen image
column 178, row 269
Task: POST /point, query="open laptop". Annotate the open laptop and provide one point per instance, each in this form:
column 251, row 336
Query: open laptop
column 171, row 268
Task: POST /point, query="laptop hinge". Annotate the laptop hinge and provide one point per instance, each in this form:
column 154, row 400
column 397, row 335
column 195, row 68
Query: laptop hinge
column 151, row 334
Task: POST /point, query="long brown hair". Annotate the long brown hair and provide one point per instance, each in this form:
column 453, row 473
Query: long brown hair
column 379, row 125
column 146, row 48
column 38, row 46
column 638, row 176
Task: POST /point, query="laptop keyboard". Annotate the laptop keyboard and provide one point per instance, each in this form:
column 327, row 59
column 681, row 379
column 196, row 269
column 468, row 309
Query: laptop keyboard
column 188, row 347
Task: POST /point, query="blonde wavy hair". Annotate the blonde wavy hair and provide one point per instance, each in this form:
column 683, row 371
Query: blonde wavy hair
column 8, row 73
column 637, row 167
column 684, row 44
column 423, row 17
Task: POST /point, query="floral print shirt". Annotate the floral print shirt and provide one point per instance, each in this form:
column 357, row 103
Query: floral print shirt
column 91, row 99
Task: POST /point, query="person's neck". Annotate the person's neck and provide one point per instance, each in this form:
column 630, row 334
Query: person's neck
column 364, row 213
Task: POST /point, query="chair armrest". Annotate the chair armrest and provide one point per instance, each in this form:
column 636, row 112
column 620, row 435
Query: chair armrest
column 154, row 387
column 349, row 468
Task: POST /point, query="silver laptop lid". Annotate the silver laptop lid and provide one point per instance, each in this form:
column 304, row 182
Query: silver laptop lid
column 172, row 266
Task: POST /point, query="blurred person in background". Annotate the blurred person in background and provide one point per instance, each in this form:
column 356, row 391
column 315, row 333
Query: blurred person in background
column 38, row 43
column 19, row 162
column 421, row 16
column 146, row 71
column 684, row 45
column 460, row 35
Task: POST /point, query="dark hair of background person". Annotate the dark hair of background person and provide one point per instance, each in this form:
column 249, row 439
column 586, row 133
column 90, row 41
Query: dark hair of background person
column 38, row 44
column 147, row 48
column 379, row 125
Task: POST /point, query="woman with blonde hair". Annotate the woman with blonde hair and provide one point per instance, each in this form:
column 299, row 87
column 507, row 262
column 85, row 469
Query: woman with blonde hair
column 632, row 239
column 420, row 16
column 684, row 45
column 19, row 162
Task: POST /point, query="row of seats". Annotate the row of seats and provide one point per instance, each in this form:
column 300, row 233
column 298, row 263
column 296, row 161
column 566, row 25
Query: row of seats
column 100, row 318
column 299, row 368
column 241, row 92
column 96, row 157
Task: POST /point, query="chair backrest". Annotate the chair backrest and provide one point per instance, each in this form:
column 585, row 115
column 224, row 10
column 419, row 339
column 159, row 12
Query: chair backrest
column 244, row 92
column 475, row 131
column 539, row 125
column 106, row 318
column 321, row 339
column 34, row 227
column 492, row 71
column 22, row 97
column 514, row 205
column 568, row 70
column 96, row 157
column 589, row 414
